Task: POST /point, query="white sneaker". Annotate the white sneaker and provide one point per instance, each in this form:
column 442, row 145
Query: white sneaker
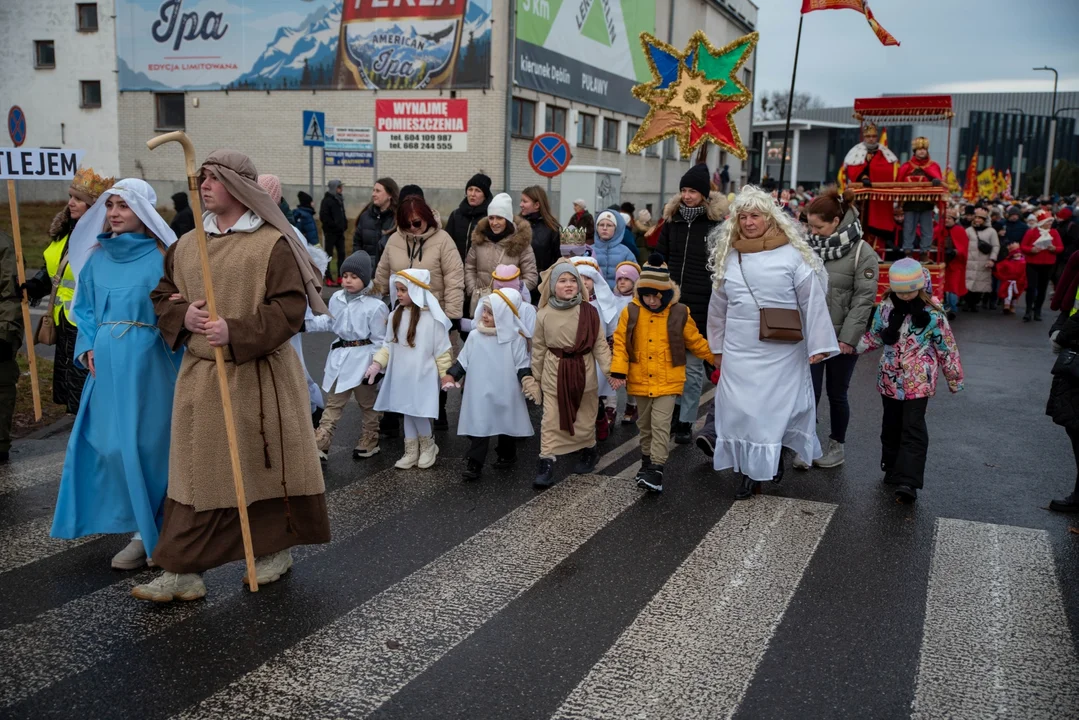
column 270, row 568
column 131, row 557
column 428, row 452
column 800, row 463
column 411, row 456
column 833, row 457
column 172, row 586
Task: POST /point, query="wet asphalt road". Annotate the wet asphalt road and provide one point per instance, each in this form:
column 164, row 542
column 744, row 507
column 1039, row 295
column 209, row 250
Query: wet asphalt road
column 443, row 599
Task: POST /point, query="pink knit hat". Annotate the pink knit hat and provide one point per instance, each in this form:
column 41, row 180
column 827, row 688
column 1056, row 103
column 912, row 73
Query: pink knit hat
column 508, row 276
column 629, row 270
column 272, row 185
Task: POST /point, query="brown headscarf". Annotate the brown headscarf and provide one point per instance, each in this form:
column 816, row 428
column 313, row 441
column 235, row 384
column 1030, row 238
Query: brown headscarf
column 237, row 173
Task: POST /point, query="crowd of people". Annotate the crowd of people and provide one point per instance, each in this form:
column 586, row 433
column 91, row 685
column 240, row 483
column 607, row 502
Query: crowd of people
column 772, row 305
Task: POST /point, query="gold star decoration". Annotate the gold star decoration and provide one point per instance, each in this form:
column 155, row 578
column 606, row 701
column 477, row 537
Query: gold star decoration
column 693, row 95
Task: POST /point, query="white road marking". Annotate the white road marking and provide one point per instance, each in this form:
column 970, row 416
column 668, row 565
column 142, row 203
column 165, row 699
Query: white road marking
column 352, row 666
column 29, row 542
column 692, row 652
column 996, row 641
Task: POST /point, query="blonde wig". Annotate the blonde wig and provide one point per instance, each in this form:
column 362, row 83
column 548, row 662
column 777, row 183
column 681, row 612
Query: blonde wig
column 723, row 236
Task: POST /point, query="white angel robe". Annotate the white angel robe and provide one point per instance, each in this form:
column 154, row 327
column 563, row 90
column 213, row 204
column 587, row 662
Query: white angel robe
column 492, row 402
column 352, row 317
column 412, row 383
column 313, row 392
column 765, row 401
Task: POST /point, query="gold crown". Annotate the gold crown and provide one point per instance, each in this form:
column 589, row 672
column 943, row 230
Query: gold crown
column 869, row 127
column 920, row 143
column 90, row 183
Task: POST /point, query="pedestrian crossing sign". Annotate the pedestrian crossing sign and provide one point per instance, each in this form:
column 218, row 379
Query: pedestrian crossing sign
column 314, row 128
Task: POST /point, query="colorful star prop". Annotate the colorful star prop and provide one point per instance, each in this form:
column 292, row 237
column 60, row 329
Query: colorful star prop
column 694, row 93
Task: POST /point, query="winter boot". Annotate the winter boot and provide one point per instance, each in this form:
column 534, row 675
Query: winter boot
column 652, row 479
column 428, row 452
column 631, row 415
column 132, row 557
column 905, row 494
column 586, row 461
column 366, row 447
column 603, row 428
column 683, row 433
column 544, row 474
column 833, row 457
column 646, row 462
column 505, row 463
column 747, row 488
column 1069, row 504
column 707, row 445
column 472, row 470
column 800, row 463
column 411, row 456
column 171, row 586
column 323, row 439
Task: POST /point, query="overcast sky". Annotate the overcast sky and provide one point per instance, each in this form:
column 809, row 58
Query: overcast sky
column 947, row 46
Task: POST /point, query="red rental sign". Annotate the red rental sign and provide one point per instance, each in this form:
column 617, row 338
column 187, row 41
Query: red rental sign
column 422, row 124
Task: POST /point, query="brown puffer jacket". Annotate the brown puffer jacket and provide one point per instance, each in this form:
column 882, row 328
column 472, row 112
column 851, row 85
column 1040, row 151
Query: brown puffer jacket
column 434, row 250
column 484, row 255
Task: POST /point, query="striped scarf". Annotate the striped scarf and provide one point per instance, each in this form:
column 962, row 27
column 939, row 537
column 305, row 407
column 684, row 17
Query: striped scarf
column 833, row 247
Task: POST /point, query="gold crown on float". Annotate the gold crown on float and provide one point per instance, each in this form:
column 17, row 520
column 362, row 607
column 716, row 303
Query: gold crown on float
column 920, row 143
column 869, row 127
column 89, row 182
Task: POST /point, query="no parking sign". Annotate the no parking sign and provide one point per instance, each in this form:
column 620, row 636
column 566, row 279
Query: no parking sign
column 549, row 154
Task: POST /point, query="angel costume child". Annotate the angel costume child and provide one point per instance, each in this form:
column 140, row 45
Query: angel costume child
column 416, row 355
column 602, row 299
column 359, row 321
column 116, row 471
column 492, row 404
column 565, row 377
column 509, row 276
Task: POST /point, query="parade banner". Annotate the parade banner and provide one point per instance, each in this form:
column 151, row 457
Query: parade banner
column 422, row 125
column 182, row 45
column 885, row 37
column 586, row 51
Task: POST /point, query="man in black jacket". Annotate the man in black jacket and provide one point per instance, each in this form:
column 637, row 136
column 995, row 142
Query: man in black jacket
column 184, row 220
column 334, row 223
column 689, row 218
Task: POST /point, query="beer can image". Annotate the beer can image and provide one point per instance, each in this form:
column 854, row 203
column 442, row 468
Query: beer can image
column 398, row 45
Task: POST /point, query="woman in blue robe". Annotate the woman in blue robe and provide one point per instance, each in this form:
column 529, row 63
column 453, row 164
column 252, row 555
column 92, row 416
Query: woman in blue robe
column 117, row 465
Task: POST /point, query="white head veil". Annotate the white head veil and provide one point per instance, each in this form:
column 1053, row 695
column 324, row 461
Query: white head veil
column 605, row 302
column 418, row 283
column 504, row 304
column 140, row 197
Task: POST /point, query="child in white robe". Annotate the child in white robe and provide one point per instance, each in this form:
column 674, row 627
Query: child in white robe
column 359, row 321
column 416, row 356
column 492, row 404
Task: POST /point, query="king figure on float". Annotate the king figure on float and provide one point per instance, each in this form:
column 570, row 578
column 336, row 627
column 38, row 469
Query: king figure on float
column 867, row 163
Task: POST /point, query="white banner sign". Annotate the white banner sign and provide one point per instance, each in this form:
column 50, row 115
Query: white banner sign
column 38, row 163
column 440, row 125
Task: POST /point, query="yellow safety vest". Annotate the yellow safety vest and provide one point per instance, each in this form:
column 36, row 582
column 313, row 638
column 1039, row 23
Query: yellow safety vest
column 66, row 292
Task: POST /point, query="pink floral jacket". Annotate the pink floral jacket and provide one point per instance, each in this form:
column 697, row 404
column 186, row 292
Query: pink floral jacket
column 908, row 369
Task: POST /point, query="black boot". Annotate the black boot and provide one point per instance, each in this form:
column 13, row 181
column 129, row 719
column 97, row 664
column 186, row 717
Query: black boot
column 651, row 479
column 472, row 470
column 586, row 461
column 1069, row 504
column 1037, row 316
column 544, row 474
column 646, row 462
column 782, row 468
column 905, row 494
column 1027, row 317
column 316, row 417
column 707, row 445
column 504, row 463
column 746, row 489
column 683, row 433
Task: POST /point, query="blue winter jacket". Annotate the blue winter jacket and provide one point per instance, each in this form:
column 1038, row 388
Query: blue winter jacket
column 305, row 221
column 609, row 253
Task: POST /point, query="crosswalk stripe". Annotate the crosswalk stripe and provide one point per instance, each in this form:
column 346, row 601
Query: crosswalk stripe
column 29, row 542
column 692, row 652
column 996, row 641
column 23, row 474
column 68, row 639
column 360, row 660
column 613, row 456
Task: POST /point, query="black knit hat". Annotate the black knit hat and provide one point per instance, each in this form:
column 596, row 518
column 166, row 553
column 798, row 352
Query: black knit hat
column 305, row 199
column 359, row 264
column 410, row 190
column 482, row 182
column 696, row 178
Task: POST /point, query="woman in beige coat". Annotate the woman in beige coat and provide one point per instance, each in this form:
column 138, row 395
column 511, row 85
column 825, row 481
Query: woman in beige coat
column 499, row 239
column 981, row 236
column 568, row 330
column 420, row 243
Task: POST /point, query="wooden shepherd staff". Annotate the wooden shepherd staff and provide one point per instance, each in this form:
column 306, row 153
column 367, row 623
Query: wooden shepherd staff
column 27, row 327
column 219, row 353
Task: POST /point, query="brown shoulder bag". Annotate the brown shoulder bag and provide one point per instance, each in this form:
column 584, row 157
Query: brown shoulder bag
column 46, row 328
column 777, row 324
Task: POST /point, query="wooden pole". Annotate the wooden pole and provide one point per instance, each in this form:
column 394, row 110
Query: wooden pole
column 219, row 355
column 28, row 328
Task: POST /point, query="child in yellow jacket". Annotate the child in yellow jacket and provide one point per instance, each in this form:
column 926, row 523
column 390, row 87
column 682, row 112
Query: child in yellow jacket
column 654, row 334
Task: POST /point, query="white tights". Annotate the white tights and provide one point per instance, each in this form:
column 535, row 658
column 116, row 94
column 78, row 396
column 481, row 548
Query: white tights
column 417, row 427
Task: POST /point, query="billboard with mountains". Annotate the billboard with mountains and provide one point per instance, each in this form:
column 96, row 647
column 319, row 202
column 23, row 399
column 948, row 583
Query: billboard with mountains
column 296, row 44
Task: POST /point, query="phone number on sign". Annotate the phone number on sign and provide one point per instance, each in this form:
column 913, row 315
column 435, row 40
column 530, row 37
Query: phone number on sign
column 421, row 141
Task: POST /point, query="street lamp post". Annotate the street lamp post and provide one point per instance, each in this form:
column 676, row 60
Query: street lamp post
column 1019, row 170
column 1052, row 133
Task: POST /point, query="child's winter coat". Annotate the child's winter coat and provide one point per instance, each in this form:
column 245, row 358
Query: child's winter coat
column 908, row 369
column 609, row 253
column 1012, row 273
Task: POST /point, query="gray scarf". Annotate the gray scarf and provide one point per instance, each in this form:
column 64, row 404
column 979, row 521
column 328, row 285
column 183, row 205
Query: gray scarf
column 689, row 214
column 556, row 272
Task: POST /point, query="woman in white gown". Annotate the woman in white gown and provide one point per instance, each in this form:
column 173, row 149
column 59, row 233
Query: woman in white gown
column 764, row 401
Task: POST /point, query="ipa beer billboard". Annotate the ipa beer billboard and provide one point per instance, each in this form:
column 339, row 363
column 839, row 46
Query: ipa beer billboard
column 303, row 44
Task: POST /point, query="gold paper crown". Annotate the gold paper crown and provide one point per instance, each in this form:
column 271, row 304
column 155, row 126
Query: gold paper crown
column 90, row 183
column 869, row 126
column 920, row 143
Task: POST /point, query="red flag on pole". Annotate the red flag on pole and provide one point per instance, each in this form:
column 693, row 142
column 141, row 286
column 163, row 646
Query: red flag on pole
column 970, row 187
column 883, row 35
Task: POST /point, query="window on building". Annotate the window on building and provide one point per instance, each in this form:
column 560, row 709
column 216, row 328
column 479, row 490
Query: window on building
column 169, row 111
column 87, row 17
column 652, row 150
column 610, row 134
column 90, row 93
column 586, row 130
column 523, row 119
column 747, row 78
column 631, row 131
column 670, row 149
column 44, row 54
column 556, row 120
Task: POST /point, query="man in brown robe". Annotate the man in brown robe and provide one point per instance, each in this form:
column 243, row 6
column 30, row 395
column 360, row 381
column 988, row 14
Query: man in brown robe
column 263, row 281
